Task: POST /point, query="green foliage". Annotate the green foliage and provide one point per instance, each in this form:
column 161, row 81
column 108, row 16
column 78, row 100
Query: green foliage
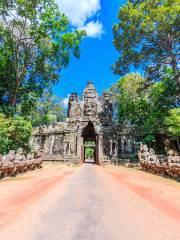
column 36, row 43
column 90, row 142
column 147, row 36
column 161, row 96
column 14, row 133
column 173, row 122
column 89, row 152
column 146, row 106
column 132, row 99
column 49, row 109
column 149, row 138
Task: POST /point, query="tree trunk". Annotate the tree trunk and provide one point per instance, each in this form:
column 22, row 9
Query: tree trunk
column 13, row 98
column 178, row 144
column 176, row 74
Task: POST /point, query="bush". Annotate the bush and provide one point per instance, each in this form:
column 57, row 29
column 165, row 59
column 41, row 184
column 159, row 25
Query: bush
column 149, row 139
column 14, row 133
column 172, row 121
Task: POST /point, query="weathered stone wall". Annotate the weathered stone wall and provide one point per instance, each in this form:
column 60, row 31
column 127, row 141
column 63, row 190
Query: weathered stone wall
column 66, row 140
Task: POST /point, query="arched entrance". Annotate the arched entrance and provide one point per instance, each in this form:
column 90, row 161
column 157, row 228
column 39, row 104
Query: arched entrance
column 89, row 150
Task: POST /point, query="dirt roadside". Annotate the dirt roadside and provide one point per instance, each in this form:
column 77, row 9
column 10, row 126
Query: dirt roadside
column 111, row 203
column 19, row 193
column 162, row 193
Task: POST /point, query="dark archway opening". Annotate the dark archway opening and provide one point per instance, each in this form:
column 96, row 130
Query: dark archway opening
column 89, row 148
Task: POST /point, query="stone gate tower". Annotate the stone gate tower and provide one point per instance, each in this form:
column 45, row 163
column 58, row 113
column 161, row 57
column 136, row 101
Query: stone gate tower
column 88, row 125
column 84, row 124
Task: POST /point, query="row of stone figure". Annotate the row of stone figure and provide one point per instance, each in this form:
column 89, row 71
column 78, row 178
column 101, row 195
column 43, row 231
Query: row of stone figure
column 18, row 162
column 165, row 165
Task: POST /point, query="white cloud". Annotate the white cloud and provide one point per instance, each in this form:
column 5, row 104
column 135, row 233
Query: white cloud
column 94, row 29
column 66, row 101
column 79, row 11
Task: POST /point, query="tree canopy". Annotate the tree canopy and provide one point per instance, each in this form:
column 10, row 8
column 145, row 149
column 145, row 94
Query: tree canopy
column 147, row 36
column 172, row 121
column 36, row 43
column 14, row 133
column 149, row 109
column 49, row 109
column 132, row 102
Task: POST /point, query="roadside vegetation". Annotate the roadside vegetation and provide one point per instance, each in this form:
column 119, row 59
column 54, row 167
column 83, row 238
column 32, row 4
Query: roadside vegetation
column 147, row 39
column 36, row 44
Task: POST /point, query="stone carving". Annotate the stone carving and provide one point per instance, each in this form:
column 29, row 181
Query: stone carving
column 173, row 158
column 90, row 101
column 17, row 162
column 30, row 156
column 10, row 157
column 66, row 140
column 74, row 110
column 19, row 157
column 152, row 156
column 107, row 111
column 147, row 155
column 90, row 109
column 164, row 165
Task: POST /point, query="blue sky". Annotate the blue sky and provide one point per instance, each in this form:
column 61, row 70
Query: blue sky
column 97, row 50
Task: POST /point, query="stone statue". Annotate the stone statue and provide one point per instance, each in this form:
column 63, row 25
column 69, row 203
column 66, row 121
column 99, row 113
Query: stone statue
column 90, row 109
column 152, row 155
column 10, row 157
column 20, row 157
column 173, row 157
column 107, row 110
column 73, row 106
column 143, row 153
column 30, row 156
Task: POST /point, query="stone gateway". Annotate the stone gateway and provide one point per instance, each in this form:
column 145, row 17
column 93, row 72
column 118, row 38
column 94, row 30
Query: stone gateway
column 88, row 134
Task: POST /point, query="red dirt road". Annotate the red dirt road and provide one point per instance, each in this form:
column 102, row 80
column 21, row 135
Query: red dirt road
column 18, row 194
column 89, row 203
column 163, row 194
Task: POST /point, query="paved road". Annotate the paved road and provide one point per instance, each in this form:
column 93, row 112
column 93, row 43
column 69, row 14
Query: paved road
column 93, row 204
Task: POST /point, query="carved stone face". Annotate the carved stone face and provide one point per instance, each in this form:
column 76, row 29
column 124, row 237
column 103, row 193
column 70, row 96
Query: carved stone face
column 145, row 148
column 90, row 109
column 20, row 151
column 30, row 156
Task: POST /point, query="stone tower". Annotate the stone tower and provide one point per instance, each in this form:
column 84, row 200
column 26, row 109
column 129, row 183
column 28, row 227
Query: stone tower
column 88, row 125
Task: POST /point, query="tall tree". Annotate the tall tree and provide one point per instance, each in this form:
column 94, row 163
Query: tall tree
column 161, row 97
column 49, row 109
column 172, row 121
column 131, row 97
column 36, row 42
column 147, row 34
column 145, row 107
